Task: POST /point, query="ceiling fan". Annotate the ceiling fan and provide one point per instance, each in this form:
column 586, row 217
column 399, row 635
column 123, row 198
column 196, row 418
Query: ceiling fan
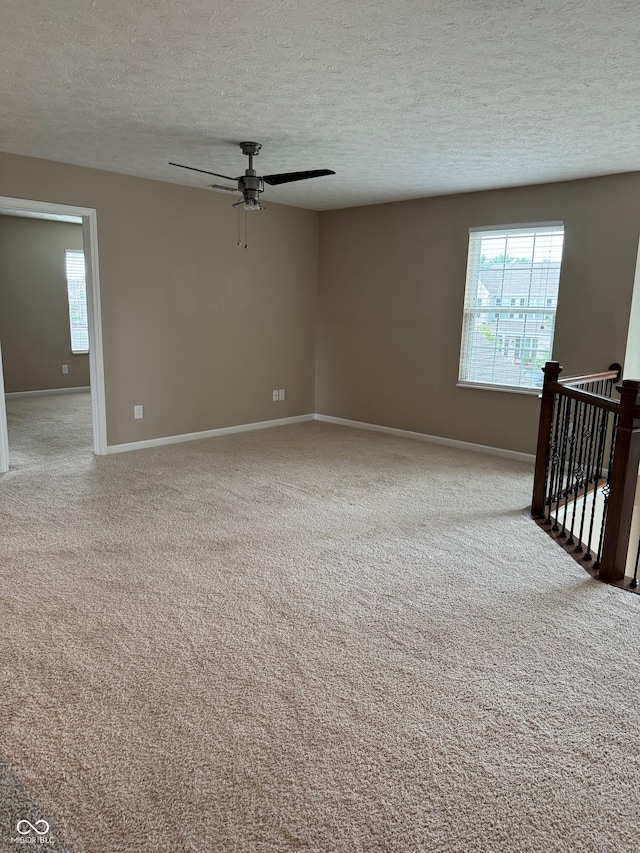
column 251, row 184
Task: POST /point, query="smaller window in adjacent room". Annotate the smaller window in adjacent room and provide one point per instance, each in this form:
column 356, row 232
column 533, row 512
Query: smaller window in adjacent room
column 77, row 295
column 507, row 267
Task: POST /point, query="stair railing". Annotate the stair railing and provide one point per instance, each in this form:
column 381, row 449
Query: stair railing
column 587, row 462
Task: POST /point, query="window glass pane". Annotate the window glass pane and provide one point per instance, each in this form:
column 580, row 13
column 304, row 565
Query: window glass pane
column 510, row 268
column 77, row 296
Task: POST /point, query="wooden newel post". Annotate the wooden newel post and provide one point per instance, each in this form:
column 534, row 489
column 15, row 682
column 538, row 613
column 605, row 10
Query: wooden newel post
column 623, row 478
column 552, row 371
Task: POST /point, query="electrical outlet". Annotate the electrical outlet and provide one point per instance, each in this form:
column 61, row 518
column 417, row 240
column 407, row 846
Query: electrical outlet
column 65, row 368
column 138, row 412
column 281, row 394
column 275, row 395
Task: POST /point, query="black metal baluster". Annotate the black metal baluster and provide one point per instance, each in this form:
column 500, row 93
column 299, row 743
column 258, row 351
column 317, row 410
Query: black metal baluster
column 562, row 462
column 606, row 491
column 605, row 496
column 634, row 581
column 598, row 416
column 554, row 454
column 550, row 450
column 591, row 431
column 578, row 469
column 576, row 426
column 603, row 427
column 579, row 465
column 565, row 450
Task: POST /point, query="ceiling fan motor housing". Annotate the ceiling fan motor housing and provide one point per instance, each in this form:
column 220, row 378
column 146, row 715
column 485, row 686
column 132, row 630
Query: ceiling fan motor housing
column 251, row 186
column 250, row 182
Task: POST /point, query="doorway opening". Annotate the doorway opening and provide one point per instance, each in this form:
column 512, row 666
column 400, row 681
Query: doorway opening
column 87, row 218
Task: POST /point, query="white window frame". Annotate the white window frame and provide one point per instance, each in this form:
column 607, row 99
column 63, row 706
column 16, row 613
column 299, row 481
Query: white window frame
column 75, row 349
column 500, row 308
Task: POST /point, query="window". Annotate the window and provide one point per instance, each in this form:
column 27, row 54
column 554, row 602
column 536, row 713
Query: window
column 77, row 296
column 517, row 266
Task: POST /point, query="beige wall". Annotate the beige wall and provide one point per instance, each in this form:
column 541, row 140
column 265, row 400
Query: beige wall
column 196, row 329
column 391, row 292
column 34, row 311
column 200, row 331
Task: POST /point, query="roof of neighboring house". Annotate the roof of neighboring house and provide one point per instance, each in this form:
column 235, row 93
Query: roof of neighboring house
column 518, row 280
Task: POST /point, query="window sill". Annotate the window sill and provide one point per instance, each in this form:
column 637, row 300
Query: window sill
column 510, row 389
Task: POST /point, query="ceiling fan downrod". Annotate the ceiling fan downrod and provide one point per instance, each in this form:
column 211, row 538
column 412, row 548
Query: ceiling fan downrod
column 249, row 184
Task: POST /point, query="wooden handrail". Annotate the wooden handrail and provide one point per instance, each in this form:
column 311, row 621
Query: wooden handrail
column 614, row 372
column 585, row 397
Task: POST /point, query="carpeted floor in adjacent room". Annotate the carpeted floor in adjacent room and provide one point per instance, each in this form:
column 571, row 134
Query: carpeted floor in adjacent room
column 306, row 638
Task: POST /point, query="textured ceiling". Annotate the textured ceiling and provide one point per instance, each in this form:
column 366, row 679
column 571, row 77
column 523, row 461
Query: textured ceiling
column 402, row 98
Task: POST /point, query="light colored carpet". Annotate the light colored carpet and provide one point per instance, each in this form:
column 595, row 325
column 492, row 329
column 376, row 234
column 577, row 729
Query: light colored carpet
column 308, row 638
column 45, row 428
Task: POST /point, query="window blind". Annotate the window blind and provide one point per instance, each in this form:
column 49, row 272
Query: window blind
column 511, row 297
column 77, row 296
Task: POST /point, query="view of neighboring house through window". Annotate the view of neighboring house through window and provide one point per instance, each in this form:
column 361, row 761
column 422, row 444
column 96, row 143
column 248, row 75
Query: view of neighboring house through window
column 510, row 305
column 77, row 295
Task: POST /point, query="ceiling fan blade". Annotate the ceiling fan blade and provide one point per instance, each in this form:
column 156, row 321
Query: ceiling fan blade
column 228, row 189
column 288, row 177
column 204, row 172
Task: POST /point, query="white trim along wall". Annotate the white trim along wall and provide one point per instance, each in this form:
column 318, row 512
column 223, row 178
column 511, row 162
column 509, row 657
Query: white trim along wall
column 401, row 433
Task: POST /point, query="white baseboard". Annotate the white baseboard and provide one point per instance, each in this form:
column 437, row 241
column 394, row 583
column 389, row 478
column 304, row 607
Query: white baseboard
column 433, row 439
column 77, row 390
column 208, row 433
column 402, row 433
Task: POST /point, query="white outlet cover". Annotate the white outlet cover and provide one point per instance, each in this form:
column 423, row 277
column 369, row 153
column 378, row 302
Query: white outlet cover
column 138, row 412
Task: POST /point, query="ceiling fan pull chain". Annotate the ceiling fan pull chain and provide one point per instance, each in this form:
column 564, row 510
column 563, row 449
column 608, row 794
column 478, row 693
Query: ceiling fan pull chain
column 246, row 230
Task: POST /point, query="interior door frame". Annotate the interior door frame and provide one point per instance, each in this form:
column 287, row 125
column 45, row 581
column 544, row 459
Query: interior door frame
column 94, row 320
